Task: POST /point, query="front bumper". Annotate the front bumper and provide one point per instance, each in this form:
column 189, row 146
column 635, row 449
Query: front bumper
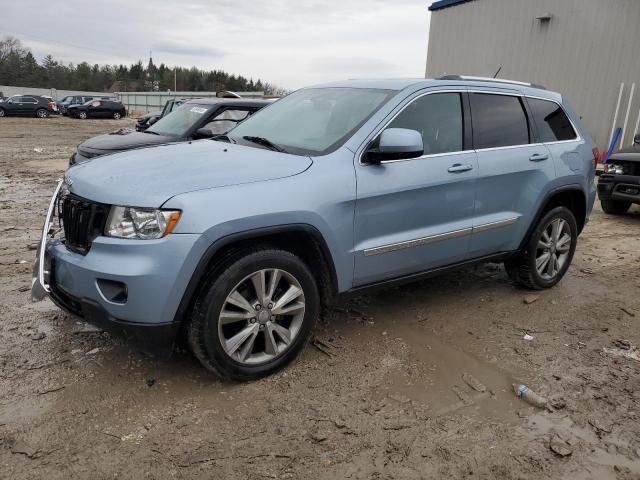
column 150, row 275
column 625, row 188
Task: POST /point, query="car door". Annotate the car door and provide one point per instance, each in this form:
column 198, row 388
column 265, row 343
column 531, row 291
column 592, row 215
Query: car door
column 13, row 105
column 96, row 109
column 416, row 214
column 513, row 170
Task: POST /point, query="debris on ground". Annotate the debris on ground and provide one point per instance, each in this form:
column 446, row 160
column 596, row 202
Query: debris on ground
column 559, row 446
column 473, row 382
column 38, row 336
column 150, row 382
column 93, row 351
column 528, row 337
column 525, row 393
column 529, row 299
column 325, row 347
column 628, row 312
column 587, row 270
column 623, row 349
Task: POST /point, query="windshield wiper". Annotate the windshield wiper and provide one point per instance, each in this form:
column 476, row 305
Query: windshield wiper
column 223, row 137
column 149, row 131
column 264, row 142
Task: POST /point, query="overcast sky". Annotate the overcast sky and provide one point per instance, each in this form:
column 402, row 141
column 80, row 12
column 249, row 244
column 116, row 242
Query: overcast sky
column 291, row 43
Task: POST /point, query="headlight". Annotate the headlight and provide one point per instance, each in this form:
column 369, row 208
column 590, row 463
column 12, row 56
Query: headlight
column 140, row 223
column 613, row 168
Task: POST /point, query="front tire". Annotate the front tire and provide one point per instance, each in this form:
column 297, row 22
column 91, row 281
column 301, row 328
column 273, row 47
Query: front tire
column 548, row 252
column 82, row 115
column 254, row 314
column 2, row 112
column 117, row 116
column 615, row 207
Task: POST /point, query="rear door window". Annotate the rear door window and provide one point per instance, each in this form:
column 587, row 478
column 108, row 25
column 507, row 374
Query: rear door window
column 552, row 123
column 438, row 118
column 498, row 121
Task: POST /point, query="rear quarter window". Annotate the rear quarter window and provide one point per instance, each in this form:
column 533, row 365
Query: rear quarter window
column 552, row 122
column 498, row 120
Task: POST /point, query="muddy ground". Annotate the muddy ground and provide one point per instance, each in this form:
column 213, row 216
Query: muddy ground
column 382, row 397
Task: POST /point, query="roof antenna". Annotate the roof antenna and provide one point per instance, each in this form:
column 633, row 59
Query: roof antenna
column 497, row 72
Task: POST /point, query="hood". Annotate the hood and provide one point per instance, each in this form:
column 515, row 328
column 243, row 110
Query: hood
column 149, row 177
column 123, row 139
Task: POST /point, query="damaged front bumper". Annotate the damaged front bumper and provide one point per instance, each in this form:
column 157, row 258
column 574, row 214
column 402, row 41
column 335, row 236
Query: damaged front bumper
column 78, row 283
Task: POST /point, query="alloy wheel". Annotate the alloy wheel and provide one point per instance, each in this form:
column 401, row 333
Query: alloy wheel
column 261, row 316
column 116, row 116
column 553, row 248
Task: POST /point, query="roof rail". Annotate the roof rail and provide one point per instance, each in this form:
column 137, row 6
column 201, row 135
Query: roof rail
column 486, row 79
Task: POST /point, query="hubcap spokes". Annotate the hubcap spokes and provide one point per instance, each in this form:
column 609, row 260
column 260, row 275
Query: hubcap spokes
column 553, row 248
column 261, row 316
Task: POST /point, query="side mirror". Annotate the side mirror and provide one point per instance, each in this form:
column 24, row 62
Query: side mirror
column 152, row 120
column 204, row 133
column 395, row 144
column 636, row 139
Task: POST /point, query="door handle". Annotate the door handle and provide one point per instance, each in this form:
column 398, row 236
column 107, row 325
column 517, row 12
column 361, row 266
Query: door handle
column 538, row 157
column 458, row 168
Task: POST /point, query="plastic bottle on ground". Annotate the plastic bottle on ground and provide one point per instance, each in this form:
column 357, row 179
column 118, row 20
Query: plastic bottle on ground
column 525, row 393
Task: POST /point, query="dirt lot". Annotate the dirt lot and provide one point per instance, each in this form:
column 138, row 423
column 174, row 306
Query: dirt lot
column 383, row 396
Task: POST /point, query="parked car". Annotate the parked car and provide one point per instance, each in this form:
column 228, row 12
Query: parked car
column 203, row 118
column 149, row 119
column 26, row 105
column 98, row 109
column 331, row 190
column 68, row 101
column 619, row 185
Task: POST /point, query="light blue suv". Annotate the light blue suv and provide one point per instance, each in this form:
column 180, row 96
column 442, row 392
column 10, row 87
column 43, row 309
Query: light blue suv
column 238, row 243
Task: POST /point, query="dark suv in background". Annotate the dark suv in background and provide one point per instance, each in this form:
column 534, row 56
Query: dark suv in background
column 196, row 119
column 26, row 105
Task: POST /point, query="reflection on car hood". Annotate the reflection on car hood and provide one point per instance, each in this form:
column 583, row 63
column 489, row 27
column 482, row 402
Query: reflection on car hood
column 150, row 176
column 123, row 139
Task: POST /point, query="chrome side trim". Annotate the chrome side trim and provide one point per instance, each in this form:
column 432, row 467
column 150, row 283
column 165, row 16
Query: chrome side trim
column 490, row 226
column 392, row 247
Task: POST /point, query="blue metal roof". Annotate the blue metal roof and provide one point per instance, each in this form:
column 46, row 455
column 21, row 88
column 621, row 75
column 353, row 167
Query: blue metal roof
column 440, row 4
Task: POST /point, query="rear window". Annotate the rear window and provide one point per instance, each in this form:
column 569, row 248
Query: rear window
column 551, row 121
column 498, row 121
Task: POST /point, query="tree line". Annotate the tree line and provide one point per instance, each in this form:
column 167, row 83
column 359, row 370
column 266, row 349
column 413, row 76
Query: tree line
column 18, row 67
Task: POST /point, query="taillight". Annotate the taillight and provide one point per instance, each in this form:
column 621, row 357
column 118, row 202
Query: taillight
column 51, row 105
column 596, row 156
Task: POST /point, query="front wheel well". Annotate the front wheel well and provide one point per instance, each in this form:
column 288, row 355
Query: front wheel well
column 305, row 242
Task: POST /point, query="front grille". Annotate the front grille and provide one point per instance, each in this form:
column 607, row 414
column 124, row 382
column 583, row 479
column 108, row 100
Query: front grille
column 82, row 220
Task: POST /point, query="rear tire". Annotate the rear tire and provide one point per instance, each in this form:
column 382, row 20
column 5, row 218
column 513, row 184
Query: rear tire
column 548, row 252
column 242, row 334
column 615, row 207
column 82, row 115
column 42, row 113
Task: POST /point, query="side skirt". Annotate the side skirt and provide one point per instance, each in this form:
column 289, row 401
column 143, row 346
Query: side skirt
column 414, row 277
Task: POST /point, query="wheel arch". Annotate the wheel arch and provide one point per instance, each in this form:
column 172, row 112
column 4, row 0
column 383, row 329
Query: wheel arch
column 571, row 196
column 303, row 240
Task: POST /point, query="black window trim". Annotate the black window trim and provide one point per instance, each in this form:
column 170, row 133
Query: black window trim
column 534, row 140
column 573, row 125
column 467, row 146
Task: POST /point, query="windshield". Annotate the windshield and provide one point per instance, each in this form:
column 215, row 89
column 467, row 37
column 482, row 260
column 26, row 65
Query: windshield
column 312, row 121
column 178, row 122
